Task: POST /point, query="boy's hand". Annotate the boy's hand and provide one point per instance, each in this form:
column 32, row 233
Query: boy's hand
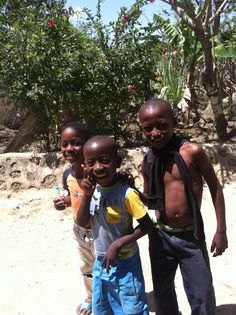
column 88, row 183
column 111, row 255
column 59, row 203
column 219, row 243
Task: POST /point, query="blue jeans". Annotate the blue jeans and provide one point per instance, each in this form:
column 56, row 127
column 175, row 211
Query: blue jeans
column 122, row 291
column 167, row 252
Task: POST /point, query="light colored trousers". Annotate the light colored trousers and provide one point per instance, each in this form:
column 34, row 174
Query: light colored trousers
column 86, row 253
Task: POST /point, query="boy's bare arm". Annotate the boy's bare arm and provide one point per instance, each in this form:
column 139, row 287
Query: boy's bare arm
column 144, row 227
column 219, row 242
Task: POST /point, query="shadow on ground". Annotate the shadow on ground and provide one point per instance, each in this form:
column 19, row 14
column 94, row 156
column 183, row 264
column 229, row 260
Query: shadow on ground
column 226, row 309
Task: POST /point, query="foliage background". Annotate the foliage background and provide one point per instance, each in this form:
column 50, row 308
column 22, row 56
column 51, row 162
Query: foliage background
column 100, row 73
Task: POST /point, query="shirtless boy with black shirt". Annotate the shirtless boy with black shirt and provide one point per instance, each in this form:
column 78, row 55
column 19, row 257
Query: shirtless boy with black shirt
column 173, row 172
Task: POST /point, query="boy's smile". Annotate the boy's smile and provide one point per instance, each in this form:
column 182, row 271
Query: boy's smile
column 72, row 146
column 101, row 162
column 156, row 125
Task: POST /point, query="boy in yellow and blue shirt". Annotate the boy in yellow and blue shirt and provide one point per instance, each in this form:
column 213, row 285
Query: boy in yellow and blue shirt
column 118, row 284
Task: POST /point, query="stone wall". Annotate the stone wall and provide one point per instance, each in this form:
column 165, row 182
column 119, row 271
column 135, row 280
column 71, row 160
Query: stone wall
column 27, row 170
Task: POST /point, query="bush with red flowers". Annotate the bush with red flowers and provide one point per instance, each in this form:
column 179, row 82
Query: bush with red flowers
column 130, row 88
column 52, row 23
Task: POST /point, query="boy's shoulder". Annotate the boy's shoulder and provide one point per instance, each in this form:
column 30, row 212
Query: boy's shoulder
column 119, row 191
column 194, row 155
column 191, row 148
column 67, row 171
column 65, row 176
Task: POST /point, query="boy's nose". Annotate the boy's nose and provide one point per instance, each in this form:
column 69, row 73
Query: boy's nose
column 155, row 132
column 69, row 147
column 97, row 166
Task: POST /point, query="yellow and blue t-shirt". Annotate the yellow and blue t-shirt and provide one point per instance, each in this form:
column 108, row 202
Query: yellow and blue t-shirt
column 112, row 210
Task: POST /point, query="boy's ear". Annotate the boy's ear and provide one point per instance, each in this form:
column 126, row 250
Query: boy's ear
column 119, row 160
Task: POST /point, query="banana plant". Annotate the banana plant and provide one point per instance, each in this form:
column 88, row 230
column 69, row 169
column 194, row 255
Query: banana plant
column 182, row 39
column 225, row 47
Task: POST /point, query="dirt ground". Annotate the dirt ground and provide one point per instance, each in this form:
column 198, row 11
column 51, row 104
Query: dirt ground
column 39, row 264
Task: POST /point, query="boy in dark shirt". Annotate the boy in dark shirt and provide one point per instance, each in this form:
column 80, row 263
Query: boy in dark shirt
column 173, row 172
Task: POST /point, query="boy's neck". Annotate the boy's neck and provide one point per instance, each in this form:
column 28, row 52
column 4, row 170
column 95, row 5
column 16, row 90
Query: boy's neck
column 114, row 181
column 110, row 187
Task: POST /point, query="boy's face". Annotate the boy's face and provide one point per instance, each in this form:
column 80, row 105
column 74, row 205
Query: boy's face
column 72, row 146
column 101, row 162
column 157, row 125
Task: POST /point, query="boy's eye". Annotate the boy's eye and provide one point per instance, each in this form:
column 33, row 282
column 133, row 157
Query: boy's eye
column 105, row 160
column 63, row 144
column 148, row 128
column 76, row 143
column 89, row 163
column 162, row 126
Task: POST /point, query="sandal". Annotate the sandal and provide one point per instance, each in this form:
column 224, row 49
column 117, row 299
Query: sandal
column 84, row 308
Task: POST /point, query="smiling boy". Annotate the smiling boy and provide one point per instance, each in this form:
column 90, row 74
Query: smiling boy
column 173, row 172
column 118, row 284
column 73, row 137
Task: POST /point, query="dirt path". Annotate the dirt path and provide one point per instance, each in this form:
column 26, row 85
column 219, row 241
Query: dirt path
column 39, row 273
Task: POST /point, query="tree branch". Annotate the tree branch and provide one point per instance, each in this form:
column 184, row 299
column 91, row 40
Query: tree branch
column 219, row 11
column 204, row 9
column 186, row 8
column 208, row 15
column 181, row 13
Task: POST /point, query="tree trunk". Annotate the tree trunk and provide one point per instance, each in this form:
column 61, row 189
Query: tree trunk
column 216, row 104
column 31, row 126
column 204, row 33
column 211, row 85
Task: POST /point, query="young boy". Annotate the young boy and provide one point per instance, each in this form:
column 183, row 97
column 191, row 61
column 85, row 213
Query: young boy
column 173, row 172
column 118, row 284
column 73, row 137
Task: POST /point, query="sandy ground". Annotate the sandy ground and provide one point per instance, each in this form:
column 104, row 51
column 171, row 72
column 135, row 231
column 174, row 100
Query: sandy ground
column 39, row 264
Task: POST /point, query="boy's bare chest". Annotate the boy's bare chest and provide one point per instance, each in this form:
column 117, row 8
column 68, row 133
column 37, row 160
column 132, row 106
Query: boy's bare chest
column 172, row 173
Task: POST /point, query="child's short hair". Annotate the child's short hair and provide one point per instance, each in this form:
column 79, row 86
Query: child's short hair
column 103, row 138
column 81, row 128
column 156, row 102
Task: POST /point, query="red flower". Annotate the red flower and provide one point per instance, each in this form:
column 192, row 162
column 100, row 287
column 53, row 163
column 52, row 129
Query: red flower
column 125, row 18
column 52, row 23
column 130, row 88
column 164, row 51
